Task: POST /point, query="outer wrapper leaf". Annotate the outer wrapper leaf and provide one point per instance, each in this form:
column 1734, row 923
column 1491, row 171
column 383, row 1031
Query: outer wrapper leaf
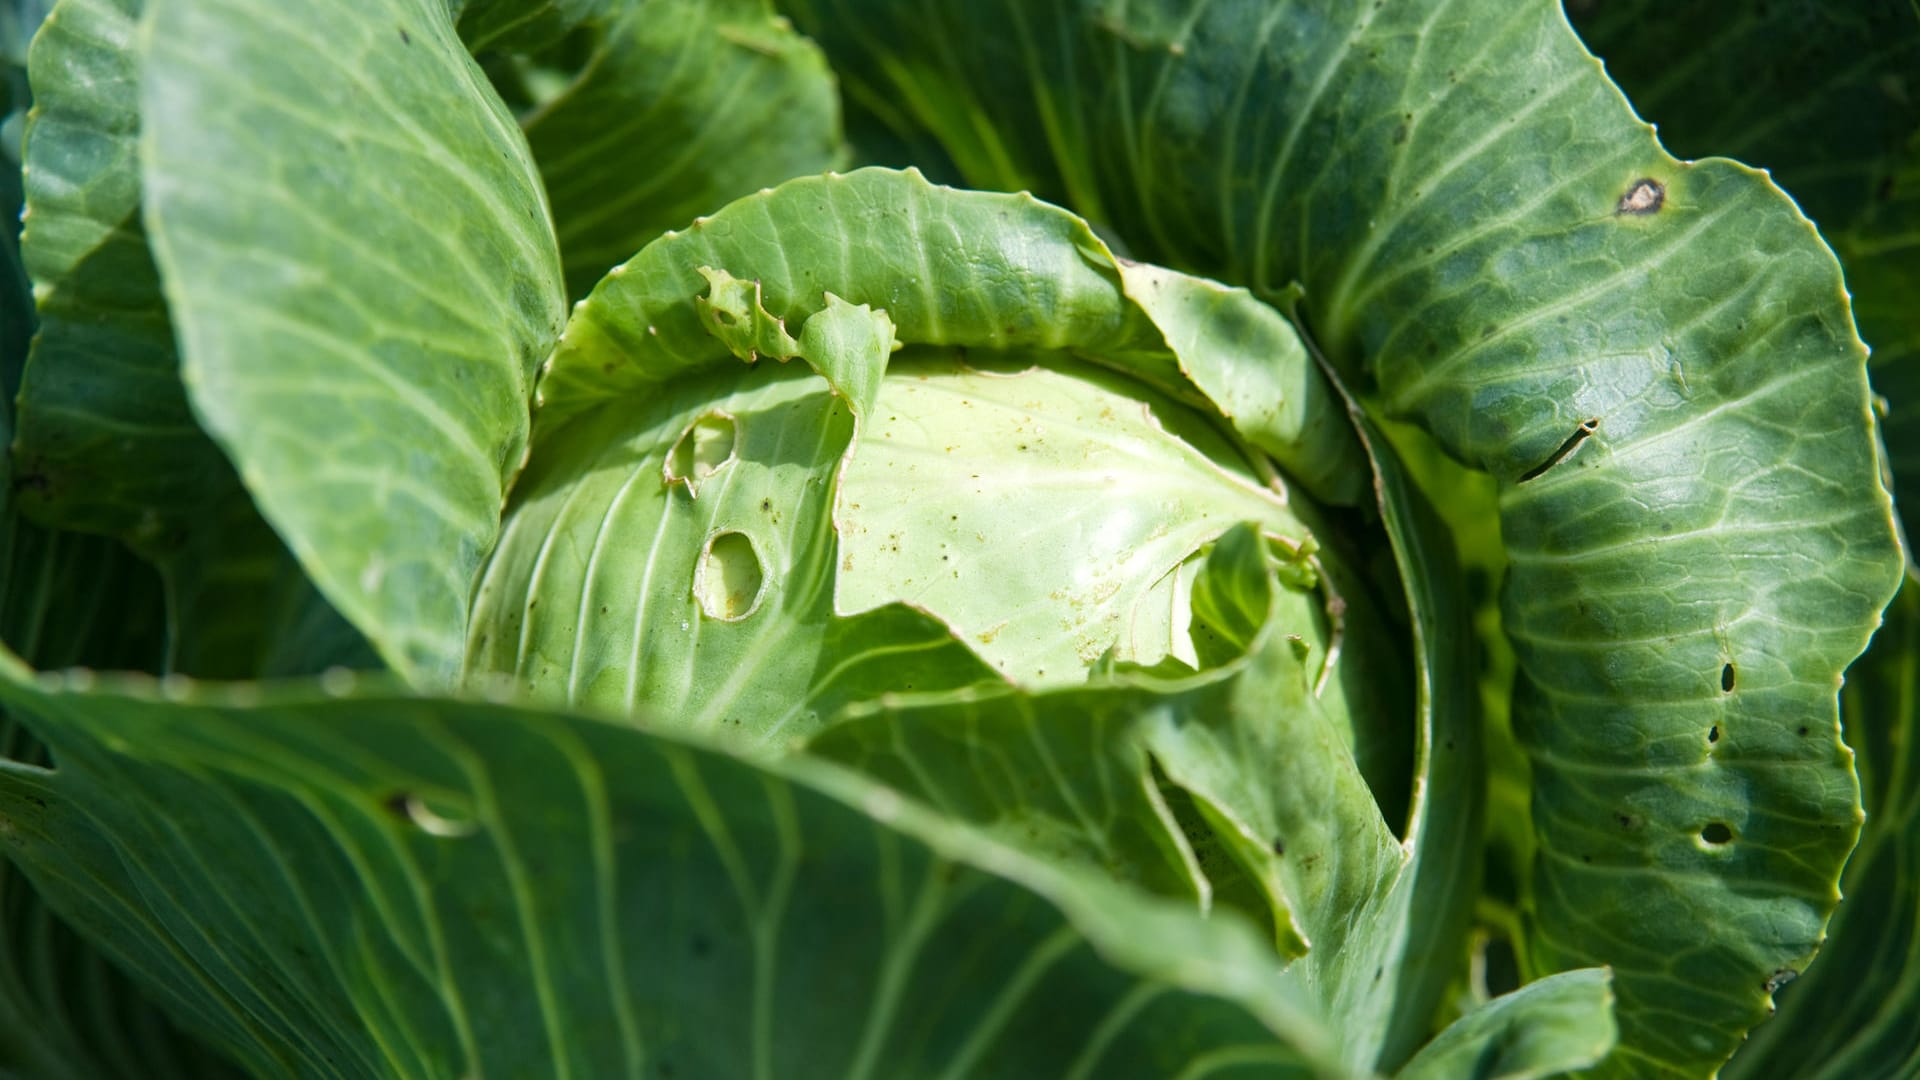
column 1851, row 1014
column 665, row 907
column 362, row 278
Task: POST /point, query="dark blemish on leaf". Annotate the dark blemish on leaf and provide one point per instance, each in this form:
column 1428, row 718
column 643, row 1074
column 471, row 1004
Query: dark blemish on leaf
column 1278, row 847
column 1644, row 197
column 1580, row 435
column 766, row 506
column 1717, row 833
column 1399, row 134
column 1626, row 820
column 1588, row 859
column 1803, row 729
column 405, row 38
column 1726, row 679
column 604, row 609
column 701, row 945
column 1488, row 331
column 531, row 604
column 1713, row 734
column 396, row 804
column 1377, row 972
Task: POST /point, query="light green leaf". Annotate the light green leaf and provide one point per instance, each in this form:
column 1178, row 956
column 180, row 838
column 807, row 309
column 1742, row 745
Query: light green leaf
column 648, row 375
column 362, row 278
column 371, row 885
column 669, row 109
column 1555, row 1025
column 1653, row 359
column 1039, row 466
column 1076, row 773
column 106, row 440
column 1282, row 824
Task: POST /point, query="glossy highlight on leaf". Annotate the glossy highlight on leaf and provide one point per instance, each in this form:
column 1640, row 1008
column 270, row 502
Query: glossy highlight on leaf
column 1318, row 549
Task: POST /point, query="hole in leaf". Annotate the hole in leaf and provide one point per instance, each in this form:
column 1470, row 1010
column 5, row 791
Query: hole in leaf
column 414, row 809
column 1726, row 679
column 701, row 450
column 1713, row 734
column 728, row 578
column 1716, row 834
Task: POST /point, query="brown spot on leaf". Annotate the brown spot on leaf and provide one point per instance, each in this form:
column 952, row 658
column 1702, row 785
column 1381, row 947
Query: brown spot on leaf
column 1644, row 197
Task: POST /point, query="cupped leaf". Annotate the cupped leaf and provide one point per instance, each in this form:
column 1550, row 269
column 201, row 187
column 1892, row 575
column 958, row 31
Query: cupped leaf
column 1552, row 1026
column 649, row 427
column 358, row 263
column 676, row 107
column 1654, row 360
column 1234, row 787
column 372, row 885
column 1077, row 773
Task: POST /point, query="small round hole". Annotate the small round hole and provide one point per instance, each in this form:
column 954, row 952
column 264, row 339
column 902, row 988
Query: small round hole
column 1713, row 734
column 1716, row 834
column 1726, row 679
column 702, row 450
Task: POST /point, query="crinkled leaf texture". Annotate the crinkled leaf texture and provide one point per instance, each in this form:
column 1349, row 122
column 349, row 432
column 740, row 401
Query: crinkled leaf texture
column 1653, row 359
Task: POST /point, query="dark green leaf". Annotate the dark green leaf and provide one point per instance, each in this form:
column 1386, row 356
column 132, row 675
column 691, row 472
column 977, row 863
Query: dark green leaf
column 371, row 885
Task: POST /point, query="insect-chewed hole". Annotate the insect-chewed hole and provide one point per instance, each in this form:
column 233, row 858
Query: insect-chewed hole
column 442, row 822
column 1713, row 734
column 1726, row 678
column 701, row 450
column 728, row 579
column 1716, row 834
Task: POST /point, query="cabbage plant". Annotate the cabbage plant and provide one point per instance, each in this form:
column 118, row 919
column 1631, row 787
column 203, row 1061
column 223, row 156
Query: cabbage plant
column 1012, row 538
